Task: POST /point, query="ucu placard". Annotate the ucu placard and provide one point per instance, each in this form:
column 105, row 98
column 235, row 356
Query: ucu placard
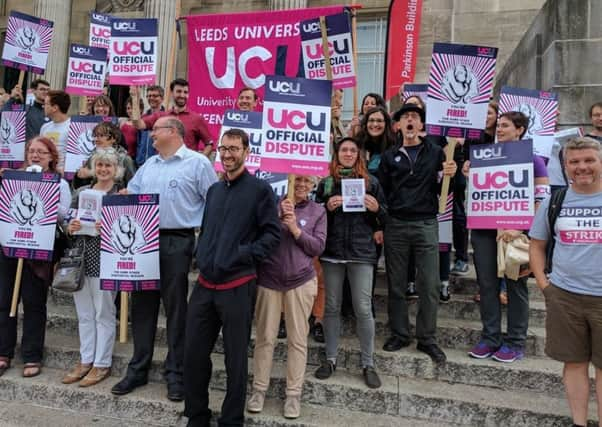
column 86, row 70
column 501, row 189
column 340, row 50
column 100, row 30
column 296, row 126
column 133, row 51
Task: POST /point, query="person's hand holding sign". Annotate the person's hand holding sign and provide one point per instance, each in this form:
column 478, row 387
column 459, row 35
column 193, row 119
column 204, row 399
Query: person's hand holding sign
column 371, row 203
column 449, row 168
column 334, row 202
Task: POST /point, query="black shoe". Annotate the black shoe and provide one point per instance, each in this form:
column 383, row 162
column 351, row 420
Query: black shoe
column 325, row 370
column 371, row 377
column 395, row 343
column 318, row 333
column 434, row 351
column 444, row 295
column 175, row 391
column 127, row 385
column 282, row 329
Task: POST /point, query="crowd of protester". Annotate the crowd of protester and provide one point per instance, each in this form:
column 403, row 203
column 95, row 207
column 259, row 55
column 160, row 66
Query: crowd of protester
column 296, row 266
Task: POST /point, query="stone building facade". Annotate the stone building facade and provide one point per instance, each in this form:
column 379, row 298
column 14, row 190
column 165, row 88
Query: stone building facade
column 499, row 23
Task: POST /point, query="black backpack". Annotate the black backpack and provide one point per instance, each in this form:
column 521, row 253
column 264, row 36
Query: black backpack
column 553, row 212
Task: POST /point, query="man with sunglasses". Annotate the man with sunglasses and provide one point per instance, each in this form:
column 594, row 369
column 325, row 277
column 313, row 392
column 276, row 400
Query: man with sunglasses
column 240, row 228
column 182, row 178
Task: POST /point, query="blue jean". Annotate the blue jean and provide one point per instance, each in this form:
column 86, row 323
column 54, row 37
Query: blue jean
column 360, row 280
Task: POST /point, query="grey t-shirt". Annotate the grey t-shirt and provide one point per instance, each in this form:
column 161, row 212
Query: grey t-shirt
column 577, row 259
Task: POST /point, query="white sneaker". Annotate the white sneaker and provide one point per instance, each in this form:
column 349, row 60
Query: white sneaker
column 255, row 403
column 292, row 407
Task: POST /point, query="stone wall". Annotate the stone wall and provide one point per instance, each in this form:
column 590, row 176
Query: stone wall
column 561, row 52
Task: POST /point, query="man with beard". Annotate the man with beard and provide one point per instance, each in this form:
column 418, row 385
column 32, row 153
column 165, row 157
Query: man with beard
column 595, row 113
column 197, row 136
column 240, row 229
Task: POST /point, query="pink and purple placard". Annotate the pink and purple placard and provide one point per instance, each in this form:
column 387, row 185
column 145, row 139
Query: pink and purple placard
column 133, row 52
column 12, row 138
column 460, row 86
column 86, row 70
column 27, row 42
column 501, row 187
column 28, row 214
column 129, row 243
column 340, row 49
column 296, row 126
column 541, row 109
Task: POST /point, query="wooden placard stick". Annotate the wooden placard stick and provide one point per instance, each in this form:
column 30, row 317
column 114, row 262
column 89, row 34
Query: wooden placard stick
column 354, row 47
column 123, row 317
column 17, row 289
column 449, row 155
column 135, row 94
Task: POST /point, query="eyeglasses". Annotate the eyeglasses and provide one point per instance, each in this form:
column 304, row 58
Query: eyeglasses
column 233, row 149
column 101, row 135
column 156, row 128
column 38, row 152
column 376, row 120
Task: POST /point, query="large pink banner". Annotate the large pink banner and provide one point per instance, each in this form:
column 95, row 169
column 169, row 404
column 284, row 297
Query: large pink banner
column 227, row 52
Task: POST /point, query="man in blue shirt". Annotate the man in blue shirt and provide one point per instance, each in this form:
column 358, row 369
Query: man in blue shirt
column 181, row 177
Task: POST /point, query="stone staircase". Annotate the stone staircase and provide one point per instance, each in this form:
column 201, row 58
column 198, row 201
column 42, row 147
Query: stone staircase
column 414, row 392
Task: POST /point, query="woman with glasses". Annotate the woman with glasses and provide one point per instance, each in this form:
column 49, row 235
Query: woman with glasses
column 350, row 250
column 35, row 279
column 370, row 101
column 106, row 135
column 375, row 136
column 287, row 280
column 95, row 307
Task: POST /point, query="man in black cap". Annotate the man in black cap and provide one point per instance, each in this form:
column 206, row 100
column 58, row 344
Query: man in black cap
column 410, row 174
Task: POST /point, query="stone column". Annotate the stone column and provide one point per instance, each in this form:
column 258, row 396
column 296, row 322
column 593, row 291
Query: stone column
column 59, row 12
column 287, row 4
column 166, row 12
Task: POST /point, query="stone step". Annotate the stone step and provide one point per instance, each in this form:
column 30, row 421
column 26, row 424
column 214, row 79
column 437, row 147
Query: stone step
column 451, row 333
column 530, row 374
column 462, row 306
column 148, row 406
column 341, row 398
column 19, row 414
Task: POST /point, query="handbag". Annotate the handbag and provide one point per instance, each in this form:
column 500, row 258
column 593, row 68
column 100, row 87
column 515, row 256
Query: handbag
column 70, row 272
column 512, row 257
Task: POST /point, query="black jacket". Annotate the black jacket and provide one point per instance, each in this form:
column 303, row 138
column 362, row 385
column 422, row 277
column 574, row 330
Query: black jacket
column 411, row 188
column 350, row 234
column 240, row 228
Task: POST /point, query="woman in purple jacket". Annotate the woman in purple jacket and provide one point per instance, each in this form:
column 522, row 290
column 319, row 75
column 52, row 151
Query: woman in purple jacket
column 287, row 282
